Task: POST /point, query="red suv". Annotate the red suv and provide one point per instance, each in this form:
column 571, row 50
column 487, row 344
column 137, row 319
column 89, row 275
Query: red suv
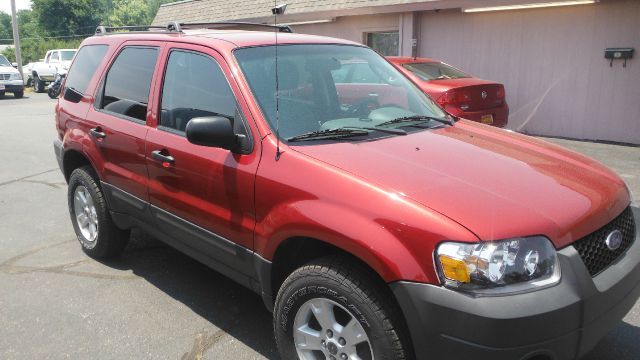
column 372, row 223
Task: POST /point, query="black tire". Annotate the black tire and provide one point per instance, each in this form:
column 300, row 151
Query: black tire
column 1, row 94
column 29, row 82
column 353, row 286
column 18, row 94
column 38, row 85
column 110, row 240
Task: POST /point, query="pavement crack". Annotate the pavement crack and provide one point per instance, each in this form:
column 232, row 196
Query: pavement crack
column 202, row 342
column 10, row 267
column 26, row 177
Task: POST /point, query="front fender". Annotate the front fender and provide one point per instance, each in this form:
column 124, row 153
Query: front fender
column 388, row 247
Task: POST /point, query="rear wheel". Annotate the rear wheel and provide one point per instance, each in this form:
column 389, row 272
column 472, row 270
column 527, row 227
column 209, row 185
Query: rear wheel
column 96, row 232
column 335, row 309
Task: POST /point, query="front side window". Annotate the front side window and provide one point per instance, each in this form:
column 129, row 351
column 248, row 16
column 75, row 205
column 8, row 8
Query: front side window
column 433, row 70
column 89, row 57
column 55, row 57
column 128, row 82
column 313, row 94
column 194, row 86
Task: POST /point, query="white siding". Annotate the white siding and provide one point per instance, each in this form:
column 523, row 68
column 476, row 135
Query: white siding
column 552, row 64
column 352, row 27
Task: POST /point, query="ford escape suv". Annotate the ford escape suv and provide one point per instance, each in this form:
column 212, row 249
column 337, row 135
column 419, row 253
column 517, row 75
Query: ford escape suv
column 373, row 224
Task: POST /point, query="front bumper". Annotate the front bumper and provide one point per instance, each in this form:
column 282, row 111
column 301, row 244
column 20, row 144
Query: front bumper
column 561, row 322
column 12, row 86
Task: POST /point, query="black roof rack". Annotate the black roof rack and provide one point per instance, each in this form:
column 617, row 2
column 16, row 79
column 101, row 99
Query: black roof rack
column 104, row 30
column 175, row 26
column 227, row 25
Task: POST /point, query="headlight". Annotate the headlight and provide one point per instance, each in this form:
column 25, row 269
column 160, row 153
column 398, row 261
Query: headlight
column 498, row 267
column 15, row 76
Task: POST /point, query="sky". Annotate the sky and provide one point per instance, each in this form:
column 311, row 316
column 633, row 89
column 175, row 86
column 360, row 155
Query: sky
column 5, row 5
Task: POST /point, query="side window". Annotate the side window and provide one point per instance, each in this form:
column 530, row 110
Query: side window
column 55, row 57
column 194, row 86
column 128, row 82
column 85, row 65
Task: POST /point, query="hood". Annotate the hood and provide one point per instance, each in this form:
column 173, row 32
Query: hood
column 496, row 183
column 8, row 70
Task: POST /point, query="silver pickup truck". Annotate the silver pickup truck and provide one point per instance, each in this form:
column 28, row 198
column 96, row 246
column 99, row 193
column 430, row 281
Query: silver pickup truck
column 45, row 72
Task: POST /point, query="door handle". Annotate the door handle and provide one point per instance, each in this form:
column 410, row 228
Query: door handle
column 166, row 160
column 97, row 133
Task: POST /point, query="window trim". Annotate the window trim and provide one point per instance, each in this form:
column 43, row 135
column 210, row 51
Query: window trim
column 100, row 88
column 171, row 130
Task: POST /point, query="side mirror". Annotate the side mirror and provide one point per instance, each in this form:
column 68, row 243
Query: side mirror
column 214, row 131
column 72, row 95
column 15, row 65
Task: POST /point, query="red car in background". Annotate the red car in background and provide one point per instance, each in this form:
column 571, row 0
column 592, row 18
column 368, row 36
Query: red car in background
column 459, row 93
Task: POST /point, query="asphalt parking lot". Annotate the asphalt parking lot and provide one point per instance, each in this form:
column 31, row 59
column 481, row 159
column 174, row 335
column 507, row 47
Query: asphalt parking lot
column 153, row 302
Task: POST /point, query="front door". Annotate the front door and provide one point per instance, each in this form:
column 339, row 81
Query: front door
column 202, row 197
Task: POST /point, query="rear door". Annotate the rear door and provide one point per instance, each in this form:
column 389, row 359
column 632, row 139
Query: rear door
column 203, row 197
column 118, row 125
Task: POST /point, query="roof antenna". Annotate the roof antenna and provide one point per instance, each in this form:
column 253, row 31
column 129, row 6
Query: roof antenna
column 277, row 10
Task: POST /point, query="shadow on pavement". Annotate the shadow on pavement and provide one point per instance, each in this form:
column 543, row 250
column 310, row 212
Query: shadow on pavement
column 227, row 305
column 622, row 343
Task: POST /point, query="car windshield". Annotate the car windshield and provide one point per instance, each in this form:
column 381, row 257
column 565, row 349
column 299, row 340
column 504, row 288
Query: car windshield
column 316, row 94
column 4, row 61
column 434, row 71
column 67, row 55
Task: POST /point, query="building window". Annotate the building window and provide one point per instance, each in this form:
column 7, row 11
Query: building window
column 385, row 42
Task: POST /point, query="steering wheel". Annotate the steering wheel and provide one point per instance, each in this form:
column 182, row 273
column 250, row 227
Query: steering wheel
column 361, row 107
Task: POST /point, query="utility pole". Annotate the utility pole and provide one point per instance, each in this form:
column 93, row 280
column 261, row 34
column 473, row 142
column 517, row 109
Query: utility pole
column 16, row 36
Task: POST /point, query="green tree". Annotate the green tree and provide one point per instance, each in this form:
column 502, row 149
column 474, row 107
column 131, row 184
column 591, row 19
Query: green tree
column 68, row 17
column 6, row 34
column 129, row 12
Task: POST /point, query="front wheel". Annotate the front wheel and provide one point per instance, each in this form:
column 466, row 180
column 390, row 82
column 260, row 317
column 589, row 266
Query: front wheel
column 334, row 309
column 96, row 232
column 18, row 94
column 38, row 85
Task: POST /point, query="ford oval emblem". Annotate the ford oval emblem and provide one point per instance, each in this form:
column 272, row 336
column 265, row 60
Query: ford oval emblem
column 614, row 240
column 484, row 95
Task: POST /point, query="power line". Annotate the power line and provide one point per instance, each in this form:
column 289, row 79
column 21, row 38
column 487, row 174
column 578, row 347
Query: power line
column 51, row 37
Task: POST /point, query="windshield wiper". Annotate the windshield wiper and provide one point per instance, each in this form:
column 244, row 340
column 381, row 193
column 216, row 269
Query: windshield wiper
column 338, row 133
column 418, row 119
column 388, row 131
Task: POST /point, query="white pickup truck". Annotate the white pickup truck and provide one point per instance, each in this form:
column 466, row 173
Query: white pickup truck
column 45, row 72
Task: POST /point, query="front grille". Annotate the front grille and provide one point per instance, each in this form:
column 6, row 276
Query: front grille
column 593, row 249
column 5, row 76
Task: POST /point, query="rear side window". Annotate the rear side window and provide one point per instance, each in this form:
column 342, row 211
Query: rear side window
column 89, row 57
column 194, row 86
column 128, row 82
